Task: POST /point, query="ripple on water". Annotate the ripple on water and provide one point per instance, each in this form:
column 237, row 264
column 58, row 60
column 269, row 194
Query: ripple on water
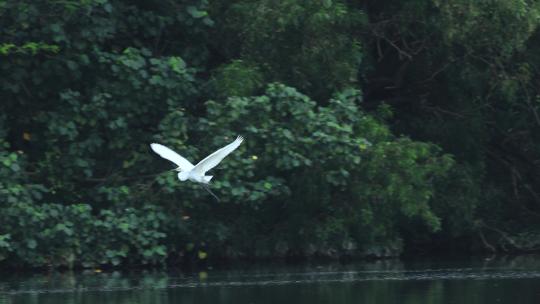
column 268, row 279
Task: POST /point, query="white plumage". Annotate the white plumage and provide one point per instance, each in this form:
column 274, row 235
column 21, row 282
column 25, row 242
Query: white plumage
column 196, row 173
column 182, row 163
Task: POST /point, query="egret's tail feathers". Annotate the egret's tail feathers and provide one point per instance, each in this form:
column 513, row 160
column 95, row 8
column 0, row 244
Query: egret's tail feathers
column 208, row 178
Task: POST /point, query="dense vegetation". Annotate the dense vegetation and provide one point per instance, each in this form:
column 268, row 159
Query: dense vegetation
column 373, row 128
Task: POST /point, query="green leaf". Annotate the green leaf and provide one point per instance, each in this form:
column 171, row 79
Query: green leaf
column 55, row 27
column 31, row 243
column 202, row 255
column 15, row 167
column 108, row 7
column 195, row 12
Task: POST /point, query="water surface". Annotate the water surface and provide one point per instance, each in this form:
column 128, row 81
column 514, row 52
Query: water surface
column 476, row 280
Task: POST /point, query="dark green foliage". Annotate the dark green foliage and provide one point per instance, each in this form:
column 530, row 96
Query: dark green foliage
column 84, row 88
column 369, row 127
column 238, row 78
column 310, row 45
column 322, row 164
column 53, row 235
column 462, row 74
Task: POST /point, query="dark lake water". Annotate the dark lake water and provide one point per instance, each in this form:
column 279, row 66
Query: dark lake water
column 473, row 280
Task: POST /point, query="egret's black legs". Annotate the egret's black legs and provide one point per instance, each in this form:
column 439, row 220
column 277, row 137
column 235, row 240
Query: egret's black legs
column 205, row 186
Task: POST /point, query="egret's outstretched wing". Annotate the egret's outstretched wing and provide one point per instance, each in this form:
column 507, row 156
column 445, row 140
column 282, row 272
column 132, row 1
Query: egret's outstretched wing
column 169, row 154
column 213, row 159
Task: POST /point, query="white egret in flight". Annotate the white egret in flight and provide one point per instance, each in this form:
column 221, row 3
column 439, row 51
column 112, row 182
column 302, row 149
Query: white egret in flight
column 187, row 170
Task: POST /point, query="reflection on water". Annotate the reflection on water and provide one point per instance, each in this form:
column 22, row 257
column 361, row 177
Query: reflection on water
column 500, row 280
